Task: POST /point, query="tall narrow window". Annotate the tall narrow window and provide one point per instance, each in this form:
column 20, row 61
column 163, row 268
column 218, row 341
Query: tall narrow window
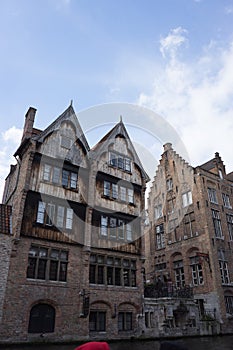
column 197, row 273
column 130, row 195
column 127, row 164
column 73, row 180
column 97, row 321
column 229, row 304
column 41, row 212
column 212, row 195
column 69, row 218
column 123, row 193
column 187, row 198
column 65, row 178
column 125, row 321
column 107, row 188
column 50, row 209
column 179, row 273
column 230, row 225
column 114, row 191
column 129, row 232
column 47, row 172
column 158, row 211
column 217, row 224
column 60, row 216
column 160, row 238
column 56, row 175
column 226, row 200
column 121, row 229
column 104, row 226
column 223, row 265
column 169, row 184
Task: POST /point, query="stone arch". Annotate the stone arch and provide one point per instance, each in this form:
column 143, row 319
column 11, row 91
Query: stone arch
column 42, row 317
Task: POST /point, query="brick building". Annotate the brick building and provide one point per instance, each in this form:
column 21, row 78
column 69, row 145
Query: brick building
column 190, row 234
column 73, row 258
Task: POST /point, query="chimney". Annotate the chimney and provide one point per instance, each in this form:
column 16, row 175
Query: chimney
column 29, row 122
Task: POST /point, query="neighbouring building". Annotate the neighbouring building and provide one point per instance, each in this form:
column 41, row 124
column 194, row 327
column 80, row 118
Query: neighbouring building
column 72, row 245
column 189, row 242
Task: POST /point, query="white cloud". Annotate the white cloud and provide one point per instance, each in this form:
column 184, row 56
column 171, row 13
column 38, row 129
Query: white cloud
column 13, row 135
column 197, row 99
column 171, row 43
column 9, row 139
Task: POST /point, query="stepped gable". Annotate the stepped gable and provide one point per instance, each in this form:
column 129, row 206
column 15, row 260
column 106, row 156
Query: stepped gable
column 5, row 218
column 118, row 130
column 177, row 158
column 68, row 115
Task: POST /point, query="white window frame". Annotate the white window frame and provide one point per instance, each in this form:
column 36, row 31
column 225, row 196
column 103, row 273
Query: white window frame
column 187, row 199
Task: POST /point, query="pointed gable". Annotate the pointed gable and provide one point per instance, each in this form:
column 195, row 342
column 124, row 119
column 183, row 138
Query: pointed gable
column 68, row 115
column 64, row 139
column 117, row 141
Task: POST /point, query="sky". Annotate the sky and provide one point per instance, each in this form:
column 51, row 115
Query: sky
column 173, row 57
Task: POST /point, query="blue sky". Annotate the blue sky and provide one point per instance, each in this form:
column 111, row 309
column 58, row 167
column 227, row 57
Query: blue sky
column 171, row 56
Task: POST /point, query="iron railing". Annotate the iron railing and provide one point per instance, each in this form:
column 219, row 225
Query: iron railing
column 167, row 290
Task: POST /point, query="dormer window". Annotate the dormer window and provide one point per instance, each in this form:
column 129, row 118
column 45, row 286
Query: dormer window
column 119, row 161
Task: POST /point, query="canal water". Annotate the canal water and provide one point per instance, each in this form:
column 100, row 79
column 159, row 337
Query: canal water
column 204, row 343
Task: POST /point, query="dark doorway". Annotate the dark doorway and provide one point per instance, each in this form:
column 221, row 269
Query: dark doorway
column 42, row 319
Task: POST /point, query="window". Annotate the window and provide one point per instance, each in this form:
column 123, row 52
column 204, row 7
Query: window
column 110, row 270
column 49, row 214
column 226, row 200
column 47, row 264
column 160, row 237
column 114, row 228
column 47, row 172
column 187, row 198
column 179, row 273
column 169, row 184
column 197, row 273
column 229, row 304
column 97, row 321
column 69, row 179
column 230, row 225
column 56, row 175
column 60, row 176
column 223, row 265
column 123, row 193
column 114, row 191
column 104, row 226
column 158, row 211
column 107, row 188
column 120, row 161
column 189, row 223
column 50, row 210
column 217, row 224
column 42, row 319
column 125, row 321
column 212, row 195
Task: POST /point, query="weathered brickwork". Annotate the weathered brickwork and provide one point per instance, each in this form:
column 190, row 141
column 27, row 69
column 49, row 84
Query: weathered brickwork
column 189, row 241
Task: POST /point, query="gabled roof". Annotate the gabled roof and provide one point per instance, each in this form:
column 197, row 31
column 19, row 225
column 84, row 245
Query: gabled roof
column 68, row 115
column 118, row 129
column 213, row 163
column 5, row 219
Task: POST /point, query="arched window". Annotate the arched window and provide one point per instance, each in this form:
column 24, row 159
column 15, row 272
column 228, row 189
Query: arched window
column 42, row 319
